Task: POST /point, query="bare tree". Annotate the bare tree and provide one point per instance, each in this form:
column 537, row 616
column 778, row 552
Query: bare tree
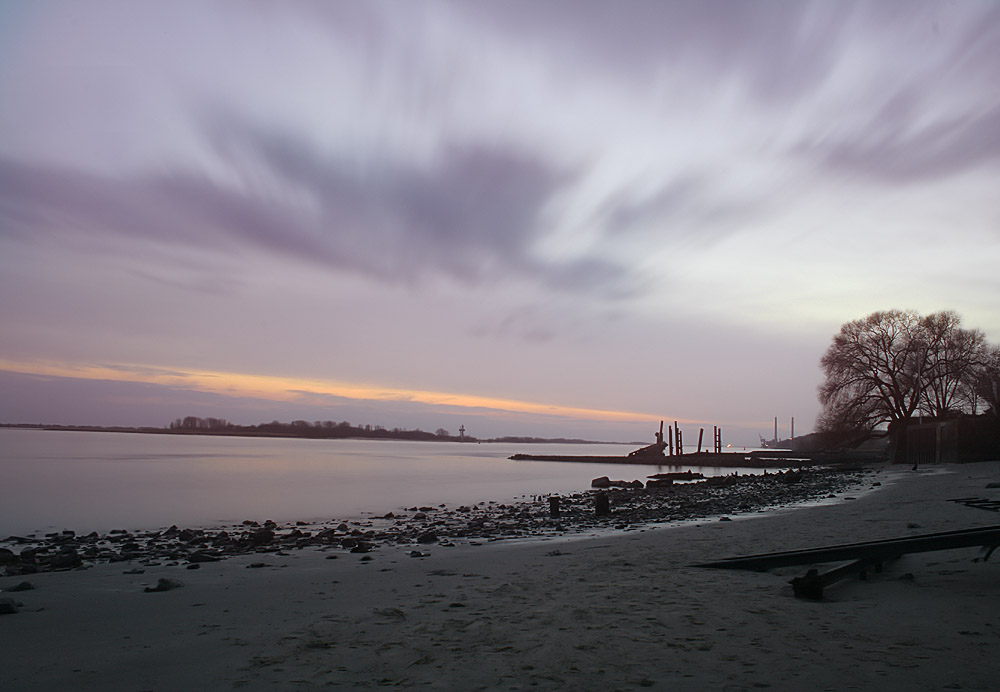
column 892, row 364
column 871, row 369
column 952, row 356
column 987, row 379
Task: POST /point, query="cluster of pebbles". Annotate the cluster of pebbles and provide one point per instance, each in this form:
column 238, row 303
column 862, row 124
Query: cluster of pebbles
column 423, row 526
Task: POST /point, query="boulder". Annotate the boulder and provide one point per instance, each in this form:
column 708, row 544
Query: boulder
column 659, row 482
column 7, row 606
column 429, row 537
column 262, row 537
column 790, row 477
column 65, row 559
column 604, row 482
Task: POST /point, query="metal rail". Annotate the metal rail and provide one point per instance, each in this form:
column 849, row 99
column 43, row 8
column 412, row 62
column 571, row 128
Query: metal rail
column 978, row 503
column 871, row 551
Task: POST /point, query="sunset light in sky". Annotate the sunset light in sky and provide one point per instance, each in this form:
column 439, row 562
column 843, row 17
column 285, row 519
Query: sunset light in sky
column 561, row 218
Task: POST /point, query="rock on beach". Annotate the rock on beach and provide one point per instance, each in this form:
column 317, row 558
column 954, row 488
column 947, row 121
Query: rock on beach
column 630, row 505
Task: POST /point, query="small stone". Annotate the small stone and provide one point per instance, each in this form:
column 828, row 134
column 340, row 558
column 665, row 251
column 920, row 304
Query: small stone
column 7, row 606
column 912, row 525
column 200, row 556
column 194, row 565
column 993, row 485
column 429, row 537
column 164, row 584
column 256, row 565
column 724, row 519
column 23, row 586
column 134, row 571
column 417, row 553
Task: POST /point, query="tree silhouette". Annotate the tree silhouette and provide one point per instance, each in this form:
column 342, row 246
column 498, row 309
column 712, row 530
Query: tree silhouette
column 891, row 364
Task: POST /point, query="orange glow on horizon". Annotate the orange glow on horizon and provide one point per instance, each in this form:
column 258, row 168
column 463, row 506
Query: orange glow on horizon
column 278, row 388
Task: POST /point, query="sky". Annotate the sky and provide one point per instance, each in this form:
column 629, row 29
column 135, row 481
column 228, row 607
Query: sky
column 562, row 218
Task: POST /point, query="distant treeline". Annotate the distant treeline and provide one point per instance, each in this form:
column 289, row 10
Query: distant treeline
column 327, row 429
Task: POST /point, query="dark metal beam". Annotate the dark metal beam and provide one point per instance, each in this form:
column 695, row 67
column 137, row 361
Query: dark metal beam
column 874, row 551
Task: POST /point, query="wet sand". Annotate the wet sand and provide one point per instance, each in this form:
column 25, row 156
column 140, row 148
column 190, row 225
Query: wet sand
column 619, row 610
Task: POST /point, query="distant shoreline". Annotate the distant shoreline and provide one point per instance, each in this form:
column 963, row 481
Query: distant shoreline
column 308, row 434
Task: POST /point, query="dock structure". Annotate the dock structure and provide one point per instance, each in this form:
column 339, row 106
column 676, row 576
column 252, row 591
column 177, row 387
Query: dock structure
column 669, row 450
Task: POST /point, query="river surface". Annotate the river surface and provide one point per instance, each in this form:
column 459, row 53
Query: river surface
column 94, row 481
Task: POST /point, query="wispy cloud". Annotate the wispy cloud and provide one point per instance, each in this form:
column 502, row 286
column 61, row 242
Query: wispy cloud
column 290, row 389
column 473, row 213
column 902, row 147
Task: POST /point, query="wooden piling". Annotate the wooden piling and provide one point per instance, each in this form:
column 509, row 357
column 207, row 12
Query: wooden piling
column 701, row 434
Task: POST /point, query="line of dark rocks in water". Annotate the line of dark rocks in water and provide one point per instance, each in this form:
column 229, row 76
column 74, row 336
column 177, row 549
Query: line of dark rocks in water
column 425, row 526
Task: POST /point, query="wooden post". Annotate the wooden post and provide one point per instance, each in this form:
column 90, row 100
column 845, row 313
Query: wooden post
column 602, row 505
column 670, row 439
column 554, row 506
column 680, row 443
column 701, row 433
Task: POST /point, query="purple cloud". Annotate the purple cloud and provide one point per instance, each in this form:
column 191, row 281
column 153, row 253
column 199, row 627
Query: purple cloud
column 897, row 149
column 473, row 214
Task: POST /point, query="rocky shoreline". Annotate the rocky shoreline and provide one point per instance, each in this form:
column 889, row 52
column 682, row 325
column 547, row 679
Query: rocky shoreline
column 421, row 527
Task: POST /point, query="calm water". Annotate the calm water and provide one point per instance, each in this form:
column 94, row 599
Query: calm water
column 100, row 481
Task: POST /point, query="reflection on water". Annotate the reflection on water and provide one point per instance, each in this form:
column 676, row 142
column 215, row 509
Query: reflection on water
column 100, row 481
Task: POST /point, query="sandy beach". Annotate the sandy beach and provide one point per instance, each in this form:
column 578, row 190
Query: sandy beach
column 616, row 611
